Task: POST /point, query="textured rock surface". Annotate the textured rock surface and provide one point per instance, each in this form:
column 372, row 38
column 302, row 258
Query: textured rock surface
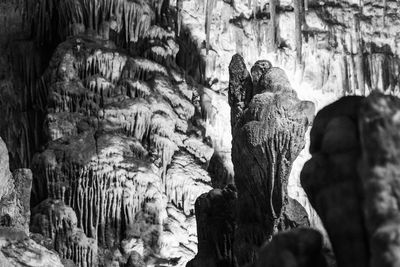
column 16, row 248
column 16, row 192
column 352, row 176
column 119, row 114
column 331, row 180
column 348, row 47
column 379, row 127
column 116, row 124
column 215, row 228
column 268, row 134
column 18, row 251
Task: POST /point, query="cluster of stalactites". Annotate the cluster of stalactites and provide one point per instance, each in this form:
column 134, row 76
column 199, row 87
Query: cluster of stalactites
column 363, row 65
column 105, row 201
column 55, row 220
column 56, row 19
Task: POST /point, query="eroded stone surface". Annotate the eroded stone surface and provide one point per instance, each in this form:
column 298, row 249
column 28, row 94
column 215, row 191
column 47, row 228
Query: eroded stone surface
column 16, row 247
column 122, row 148
column 267, row 137
column 352, row 177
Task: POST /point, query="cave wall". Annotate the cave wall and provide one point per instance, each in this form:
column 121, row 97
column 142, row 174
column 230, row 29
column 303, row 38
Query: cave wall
column 122, row 154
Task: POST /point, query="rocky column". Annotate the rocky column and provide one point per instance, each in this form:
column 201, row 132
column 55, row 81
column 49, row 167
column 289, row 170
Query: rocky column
column 268, row 134
column 240, row 87
column 332, row 183
column 379, row 121
column 215, row 228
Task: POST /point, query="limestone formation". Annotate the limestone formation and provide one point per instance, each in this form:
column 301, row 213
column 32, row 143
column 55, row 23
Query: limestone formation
column 240, row 88
column 215, row 228
column 352, row 177
column 221, row 169
column 106, row 102
column 119, row 153
column 379, row 124
column 300, row 247
column 16, row 248
column 267, row 137
column 331, row 181
column 257, row 71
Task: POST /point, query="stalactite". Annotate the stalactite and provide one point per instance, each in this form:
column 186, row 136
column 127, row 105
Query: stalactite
column 209, row 13
column 344, row 74
column 272, row 39
column 179, row 7
column 180, row 190
column 51, row 16
column 384, row 13
column 55, row 220
column 359, row 57
column 142, row 69
column 298, row 30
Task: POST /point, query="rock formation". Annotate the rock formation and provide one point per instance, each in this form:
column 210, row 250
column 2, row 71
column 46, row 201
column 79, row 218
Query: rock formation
column 352, row 177
column 16, row 247
column 299, row 247
column 115, row 125
column 268, row 127
column 120, row 108
column 215, row 228
column 335, row 150
column 268, row 134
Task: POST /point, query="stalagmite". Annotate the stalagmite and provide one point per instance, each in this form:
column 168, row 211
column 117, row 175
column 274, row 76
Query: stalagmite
column 58, row 222
column 115, row 124
column 216, row 228
column 262, row 153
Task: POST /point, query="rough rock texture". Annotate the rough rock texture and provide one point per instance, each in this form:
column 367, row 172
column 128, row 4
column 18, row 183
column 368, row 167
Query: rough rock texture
column 300, row 247
column 116, row 124
column 268, row 134
column 16, row 248
column 16, row 192
column 352, row 177
column 15, row 205
column 215, row 228
column 221, row 169
column 347, row 47
column 379, row 127
column 331, row 181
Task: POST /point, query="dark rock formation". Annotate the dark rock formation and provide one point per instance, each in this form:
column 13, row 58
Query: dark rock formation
column 379, row 128
column 15, row 195
column 300, row 247
column 240, row 88
column 257, row 71
column 352, row 177
column 221, row 169
column 331, row 180
column 215, row 228
column 267, row 137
